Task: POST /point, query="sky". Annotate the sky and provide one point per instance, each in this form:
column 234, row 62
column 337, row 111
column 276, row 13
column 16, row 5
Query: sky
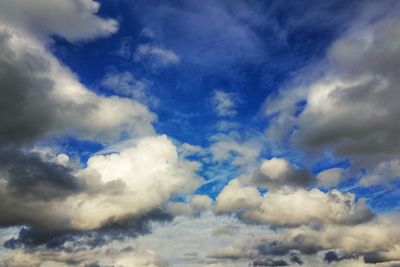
column 208, row 133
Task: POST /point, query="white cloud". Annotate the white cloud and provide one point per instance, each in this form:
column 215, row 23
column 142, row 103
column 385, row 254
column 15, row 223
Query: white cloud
column 289, row 207
column 224, row 103
column 124, row 83
column 155, row 56
column 235, row 197
column 230, row 147
column 72, row 19
column 147, row 32
column 196, row 238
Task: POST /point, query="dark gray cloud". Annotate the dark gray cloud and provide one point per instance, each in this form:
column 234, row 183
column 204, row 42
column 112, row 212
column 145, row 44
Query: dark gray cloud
column 269, row 262
column 296, row 259
column 351, row 105
column 279, row 248
column 331, row 256
column 29, row 177
column 278, row 172
column 131, row 227
column 26, row 108
column 379, row 257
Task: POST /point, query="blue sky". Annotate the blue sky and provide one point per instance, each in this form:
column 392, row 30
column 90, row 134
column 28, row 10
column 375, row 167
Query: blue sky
column 129, row 128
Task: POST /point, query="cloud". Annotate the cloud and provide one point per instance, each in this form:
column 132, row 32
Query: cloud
column 125, row 257
column 26, row 176
column 224, row 103
column 278, row 172
column 83, row 214
column 124, row 83
column 44, row 98
column 292, row 207
column 338, row 245
column 330, row 177
column 269, row 262
column 113, row 188
column 194, row 206
column 235, row 197
column 155, row 56
column 73, row 20
column 381, row 172
column 212, row 35
column 197, row 240
column 352, row 107
column 233, row 148
column 350, row 240
column 247, row 243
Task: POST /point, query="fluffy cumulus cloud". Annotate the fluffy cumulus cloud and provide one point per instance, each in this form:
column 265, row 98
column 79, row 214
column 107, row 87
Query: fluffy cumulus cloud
column 111, row 188
column 291, row 207
column 147, row 175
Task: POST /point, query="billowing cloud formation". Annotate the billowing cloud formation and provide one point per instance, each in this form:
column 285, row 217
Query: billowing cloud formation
column 291, row 207
column 130, row 183
column 360, row 102
column 352, row 108
column 147, row 175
